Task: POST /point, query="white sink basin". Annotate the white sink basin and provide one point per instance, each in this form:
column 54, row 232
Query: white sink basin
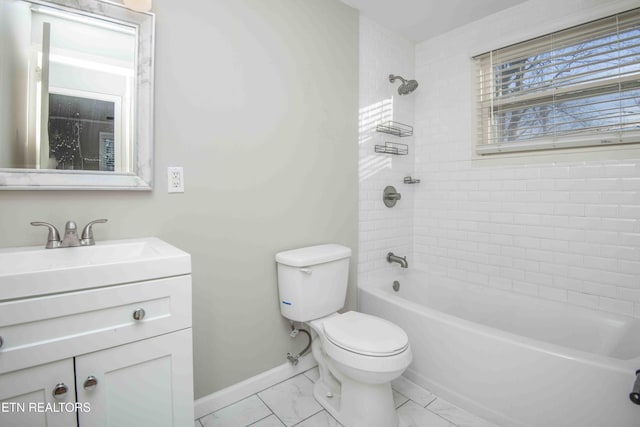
column 31, row 271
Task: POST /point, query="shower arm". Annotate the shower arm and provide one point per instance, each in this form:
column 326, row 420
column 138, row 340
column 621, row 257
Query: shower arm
column 393, row 78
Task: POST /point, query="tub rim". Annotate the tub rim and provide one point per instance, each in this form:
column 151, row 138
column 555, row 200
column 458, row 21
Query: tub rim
column 598, row 360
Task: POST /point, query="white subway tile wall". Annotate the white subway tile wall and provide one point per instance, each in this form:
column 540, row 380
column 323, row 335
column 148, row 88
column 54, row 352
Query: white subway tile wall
column 384, row 229
column 563, row 229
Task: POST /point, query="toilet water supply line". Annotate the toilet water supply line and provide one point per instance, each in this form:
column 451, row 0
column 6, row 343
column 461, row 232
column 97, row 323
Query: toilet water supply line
column 294, row 332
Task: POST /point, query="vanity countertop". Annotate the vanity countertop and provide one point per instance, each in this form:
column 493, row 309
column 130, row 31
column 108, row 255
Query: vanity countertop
column 33, row 271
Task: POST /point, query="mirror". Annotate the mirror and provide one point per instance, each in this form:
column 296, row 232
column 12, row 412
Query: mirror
column 76, row 95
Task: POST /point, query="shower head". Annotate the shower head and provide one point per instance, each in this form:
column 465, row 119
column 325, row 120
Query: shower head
column 406, row 87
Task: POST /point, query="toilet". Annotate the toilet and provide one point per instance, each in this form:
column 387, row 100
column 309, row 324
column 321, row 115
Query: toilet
column 358, row 354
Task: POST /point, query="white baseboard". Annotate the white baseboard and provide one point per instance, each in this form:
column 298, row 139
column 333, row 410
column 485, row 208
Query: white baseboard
column 211, row 403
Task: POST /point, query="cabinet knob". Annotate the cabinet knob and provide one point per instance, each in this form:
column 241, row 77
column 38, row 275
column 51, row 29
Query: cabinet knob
column 90, row 383
column 138, row 313
column 60, row 390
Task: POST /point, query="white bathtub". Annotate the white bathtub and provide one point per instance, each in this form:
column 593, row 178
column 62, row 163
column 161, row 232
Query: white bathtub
column 513, row 359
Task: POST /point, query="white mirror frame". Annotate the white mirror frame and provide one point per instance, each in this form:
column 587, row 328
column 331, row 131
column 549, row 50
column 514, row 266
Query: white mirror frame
column 142, row 176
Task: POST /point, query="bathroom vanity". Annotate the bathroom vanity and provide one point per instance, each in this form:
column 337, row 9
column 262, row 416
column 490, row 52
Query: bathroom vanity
column 96, row 336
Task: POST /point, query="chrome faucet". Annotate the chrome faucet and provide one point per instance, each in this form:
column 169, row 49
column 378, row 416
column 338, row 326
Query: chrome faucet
column 70, row 238
column 400, row 260
column 70, row 234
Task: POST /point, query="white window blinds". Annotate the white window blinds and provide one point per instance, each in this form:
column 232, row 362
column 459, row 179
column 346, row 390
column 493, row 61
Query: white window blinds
column 576, row 87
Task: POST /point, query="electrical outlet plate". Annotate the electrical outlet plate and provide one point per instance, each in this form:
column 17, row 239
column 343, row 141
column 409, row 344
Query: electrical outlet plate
column 175, row 179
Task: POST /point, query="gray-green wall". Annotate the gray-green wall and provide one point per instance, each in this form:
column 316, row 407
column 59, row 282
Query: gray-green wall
column 258, row 101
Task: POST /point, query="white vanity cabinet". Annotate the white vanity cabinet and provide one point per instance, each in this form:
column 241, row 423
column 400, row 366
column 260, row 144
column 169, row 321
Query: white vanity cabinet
column 112, row 355
column 138, row 384
column 24, row 392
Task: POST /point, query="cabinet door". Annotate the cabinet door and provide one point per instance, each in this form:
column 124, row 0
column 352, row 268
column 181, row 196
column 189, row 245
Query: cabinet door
column 26, row 396
column 145, row 383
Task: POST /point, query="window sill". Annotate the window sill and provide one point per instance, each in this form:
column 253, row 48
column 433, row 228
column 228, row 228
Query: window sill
column 624, row 151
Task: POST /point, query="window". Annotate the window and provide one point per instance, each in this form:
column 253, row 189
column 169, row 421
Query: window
column 577, row 87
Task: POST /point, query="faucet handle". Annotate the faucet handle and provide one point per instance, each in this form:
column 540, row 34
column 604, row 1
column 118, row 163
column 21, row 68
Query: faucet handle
column 53, row 239
column 86, row 238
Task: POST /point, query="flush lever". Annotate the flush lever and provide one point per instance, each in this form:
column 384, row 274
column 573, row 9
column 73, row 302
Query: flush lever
column 306, row 271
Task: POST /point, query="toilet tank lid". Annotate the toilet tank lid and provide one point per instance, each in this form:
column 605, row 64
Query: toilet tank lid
column 313, row 255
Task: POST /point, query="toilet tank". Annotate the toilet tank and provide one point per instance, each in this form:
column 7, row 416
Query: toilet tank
column 312, row 281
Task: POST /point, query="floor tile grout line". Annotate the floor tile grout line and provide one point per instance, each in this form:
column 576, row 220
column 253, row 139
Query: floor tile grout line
column 406, row 397
column 446, row 419
column 264, row 418
column 312, row 415
column 256, row 393
column 405, row 404
column 425, row 407
column 272, row 411
column 305, row 374
column 430, row 402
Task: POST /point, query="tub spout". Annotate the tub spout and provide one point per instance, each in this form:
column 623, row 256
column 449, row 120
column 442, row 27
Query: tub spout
column 400, row 260
column 635, row 392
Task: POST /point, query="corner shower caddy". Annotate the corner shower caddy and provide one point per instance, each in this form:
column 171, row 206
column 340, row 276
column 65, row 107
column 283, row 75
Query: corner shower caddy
column 396, row 129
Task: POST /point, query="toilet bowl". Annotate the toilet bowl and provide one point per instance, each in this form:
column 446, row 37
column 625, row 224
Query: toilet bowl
column 373, row 350
column 358, row 354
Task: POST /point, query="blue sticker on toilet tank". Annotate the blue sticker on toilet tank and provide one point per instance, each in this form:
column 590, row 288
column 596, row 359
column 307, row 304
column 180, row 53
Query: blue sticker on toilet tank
column 286, row 302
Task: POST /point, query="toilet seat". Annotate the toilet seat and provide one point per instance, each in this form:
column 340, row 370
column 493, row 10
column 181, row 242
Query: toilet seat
column 365, row 335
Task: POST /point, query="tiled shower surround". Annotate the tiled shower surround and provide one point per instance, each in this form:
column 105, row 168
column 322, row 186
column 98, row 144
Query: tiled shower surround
column 563, row 226
column 566, row 232
column 383, row 229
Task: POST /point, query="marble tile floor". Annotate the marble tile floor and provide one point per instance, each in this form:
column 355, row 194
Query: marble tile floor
column 291, row 404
